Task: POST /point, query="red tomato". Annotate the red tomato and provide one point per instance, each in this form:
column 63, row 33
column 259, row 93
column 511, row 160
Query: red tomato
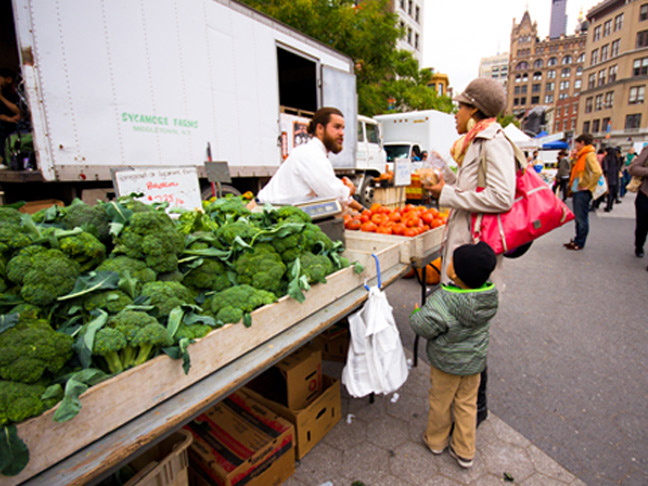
column 354, row 224
column 369, row 227
column 384, row 230
column 410, row 232
column 413, row 221
column 398, row 229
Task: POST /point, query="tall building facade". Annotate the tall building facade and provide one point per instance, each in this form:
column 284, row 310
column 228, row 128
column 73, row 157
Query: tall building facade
column 558, row 24
column 495, row 67
column 545, row 74
column 612, row 104
column 410, row 17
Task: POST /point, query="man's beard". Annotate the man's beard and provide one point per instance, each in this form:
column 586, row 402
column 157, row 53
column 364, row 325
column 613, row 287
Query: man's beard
column 331, row 144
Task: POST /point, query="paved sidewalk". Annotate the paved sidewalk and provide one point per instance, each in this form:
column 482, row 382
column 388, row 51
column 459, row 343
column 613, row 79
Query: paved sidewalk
column 381, row 446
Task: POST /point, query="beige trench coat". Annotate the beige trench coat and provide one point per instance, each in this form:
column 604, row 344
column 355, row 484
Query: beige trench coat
column 460, row 192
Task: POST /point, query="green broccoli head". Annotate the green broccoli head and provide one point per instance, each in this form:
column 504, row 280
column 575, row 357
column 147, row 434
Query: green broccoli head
column 108, row 343
column 30, row 349
column 313, row 239
column 315, row 267
column 229, row 231
column 262, row 268
column 286, row 243
column 12, row 238
column 228, row 205
column 149, row 338
column 195, row 331
column 195, row 221
column 210, row 275
column 126, row 266
column 83, row 248
column 292, row 214
column 10, row 215
column 237, row 300
column 28, row 311
column 20, row 401
column 165, row 296
column 92, row 219
column 152, row 237
column 45, row 275
column 129, row 323
column 112, row 301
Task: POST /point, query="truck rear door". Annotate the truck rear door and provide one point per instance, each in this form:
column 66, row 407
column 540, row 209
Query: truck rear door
column 339, row 91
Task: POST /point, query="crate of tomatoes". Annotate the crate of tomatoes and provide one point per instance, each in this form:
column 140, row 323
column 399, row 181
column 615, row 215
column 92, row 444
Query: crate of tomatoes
column 418, row 229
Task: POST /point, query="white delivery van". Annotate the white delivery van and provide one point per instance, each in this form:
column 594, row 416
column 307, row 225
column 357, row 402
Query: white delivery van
column 154, row 83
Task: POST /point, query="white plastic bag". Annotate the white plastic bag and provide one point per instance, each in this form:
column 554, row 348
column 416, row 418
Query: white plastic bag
column 601, row 188
column 375, row 362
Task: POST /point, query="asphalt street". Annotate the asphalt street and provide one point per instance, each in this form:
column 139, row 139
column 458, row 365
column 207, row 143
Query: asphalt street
column 569, row 349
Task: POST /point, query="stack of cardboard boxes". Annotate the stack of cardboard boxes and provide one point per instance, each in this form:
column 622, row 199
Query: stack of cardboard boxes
column 254, row 436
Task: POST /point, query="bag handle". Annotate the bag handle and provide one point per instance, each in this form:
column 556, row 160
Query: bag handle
column 520, row 159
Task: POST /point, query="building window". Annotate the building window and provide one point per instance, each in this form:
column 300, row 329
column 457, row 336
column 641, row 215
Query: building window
column 402, row 5
column 612, row 74
column 523, row 100
column 606, row 124
column 615, row 48
column 525, row 77
column 535, row 100
column 578, row 83
column 551, row 74
column 550, row 87
column 598, row 103
column 558, row 111
column 416, row 41
column 564, row 85
column 581, row 58
column 586, row 127
column 607, row 28
column 524, row 89
column 596, row 126
column 567, row 60
column 552, row 61
column 518, row 78
column 516, row 101
column 535, row 88
column 409, row 35
column 575, row 108
column 565, row 73
column 522, row 66
column 618, row 22
column 604, row 52
column 601, row 77
column 591, row 81
column 643, row 12
column 579, row 71
column 642, row 39
column 537, row 76
column 563, row 96
column 549, row 99
column 588, row 105
column 597, row 33
column 516, row 90
column 594, row 58
column 573, row 124
column 417, row 13
column 537, row 63
column 609, row 99
column 633, row 121
column 409, row 8
column 636, row 95
column 640, row 67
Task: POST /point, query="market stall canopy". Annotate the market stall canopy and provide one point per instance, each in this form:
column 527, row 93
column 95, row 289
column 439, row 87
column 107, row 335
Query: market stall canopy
column 555, row 145
column 541, row 134
column 520, row 138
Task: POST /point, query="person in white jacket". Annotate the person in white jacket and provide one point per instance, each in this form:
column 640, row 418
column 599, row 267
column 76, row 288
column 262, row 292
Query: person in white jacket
column 479, row 105
column 307, row 173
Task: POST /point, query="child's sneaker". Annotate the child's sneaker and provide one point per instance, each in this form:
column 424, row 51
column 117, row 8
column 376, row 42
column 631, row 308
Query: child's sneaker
column 436, row 452
column 465, row 463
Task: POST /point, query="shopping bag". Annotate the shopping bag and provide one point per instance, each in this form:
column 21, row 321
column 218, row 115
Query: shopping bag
column 536, row 210
column 375, row 361
column 601, row 188
column 634, row 184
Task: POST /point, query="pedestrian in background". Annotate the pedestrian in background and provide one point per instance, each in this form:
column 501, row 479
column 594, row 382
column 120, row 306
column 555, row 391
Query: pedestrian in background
column 482, row 138
column 584, row 178
column 455, row 321
column 625, row 174
column 639, row 168
column 611, row 168
column 562, row 176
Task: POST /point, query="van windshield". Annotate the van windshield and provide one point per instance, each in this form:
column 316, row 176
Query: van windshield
column 397, row 152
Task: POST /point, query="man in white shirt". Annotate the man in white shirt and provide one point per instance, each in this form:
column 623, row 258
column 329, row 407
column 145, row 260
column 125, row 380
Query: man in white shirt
column 307, row 173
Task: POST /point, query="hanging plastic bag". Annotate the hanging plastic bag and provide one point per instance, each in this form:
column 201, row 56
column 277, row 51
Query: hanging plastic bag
column 376, row 361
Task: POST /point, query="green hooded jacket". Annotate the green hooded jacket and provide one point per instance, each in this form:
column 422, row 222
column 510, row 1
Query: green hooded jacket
column 455, row 322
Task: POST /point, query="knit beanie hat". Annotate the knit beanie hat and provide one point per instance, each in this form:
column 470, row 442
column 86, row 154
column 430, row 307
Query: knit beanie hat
column 473, row 264
column 486, row 94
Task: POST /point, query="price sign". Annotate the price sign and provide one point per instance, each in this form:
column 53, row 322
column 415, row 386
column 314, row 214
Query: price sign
column 176, row 185
column 402, row 172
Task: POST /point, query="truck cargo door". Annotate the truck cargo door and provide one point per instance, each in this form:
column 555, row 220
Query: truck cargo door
column 339, row 90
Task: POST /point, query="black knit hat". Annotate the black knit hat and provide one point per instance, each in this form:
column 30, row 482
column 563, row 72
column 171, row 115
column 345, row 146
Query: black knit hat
column 473, row 264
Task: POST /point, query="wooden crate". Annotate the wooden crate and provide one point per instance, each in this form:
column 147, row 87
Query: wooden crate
column 114, row 402
column 392, row 197
column 411, row 248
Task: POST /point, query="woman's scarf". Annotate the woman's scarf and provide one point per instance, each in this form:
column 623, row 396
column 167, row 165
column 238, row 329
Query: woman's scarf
column 460, row 147
column 579, row 166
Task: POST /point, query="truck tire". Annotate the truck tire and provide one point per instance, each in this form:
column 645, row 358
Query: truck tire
column 366, row 191
column 206, row 192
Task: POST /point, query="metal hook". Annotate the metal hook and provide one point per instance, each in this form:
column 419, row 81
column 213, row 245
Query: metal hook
column 377, row 272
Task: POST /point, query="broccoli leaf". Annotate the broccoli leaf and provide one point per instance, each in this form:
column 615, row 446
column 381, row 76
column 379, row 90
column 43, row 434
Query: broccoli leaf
column 84, row 343
column 175, row 319
column 357, row 268
column 297, row 282
column 247, row 319
column 75, row 386
column 7, row 321
column 193, row 318
column 53, row 392
column 180, row 351
column 14, row 454
column 102, row 280
column 119, row 215
column 128, row 285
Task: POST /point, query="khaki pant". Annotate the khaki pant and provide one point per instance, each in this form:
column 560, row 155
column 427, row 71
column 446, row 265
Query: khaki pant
column 452, row 394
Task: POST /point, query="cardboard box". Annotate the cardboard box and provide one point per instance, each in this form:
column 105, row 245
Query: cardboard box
column 295, row 381
column 165, row 464
column 313, row 422
column 334, row 344
column 241, row 442
column 32, row 207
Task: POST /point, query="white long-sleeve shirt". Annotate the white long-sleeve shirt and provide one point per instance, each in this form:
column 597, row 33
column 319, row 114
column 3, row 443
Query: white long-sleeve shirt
column 307, row 173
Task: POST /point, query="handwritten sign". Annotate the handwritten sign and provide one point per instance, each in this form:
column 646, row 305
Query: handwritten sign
column 402, row 172
column 176, row 185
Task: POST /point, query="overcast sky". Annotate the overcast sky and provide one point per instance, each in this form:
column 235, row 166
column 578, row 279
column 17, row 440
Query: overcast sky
column 458, row 33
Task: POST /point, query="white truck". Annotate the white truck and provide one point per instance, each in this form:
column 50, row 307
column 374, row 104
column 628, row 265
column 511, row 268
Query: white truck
column 407, row 135
column 154, row 83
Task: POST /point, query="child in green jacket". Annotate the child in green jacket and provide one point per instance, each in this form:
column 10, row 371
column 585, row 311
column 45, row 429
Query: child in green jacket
column 455, row 321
